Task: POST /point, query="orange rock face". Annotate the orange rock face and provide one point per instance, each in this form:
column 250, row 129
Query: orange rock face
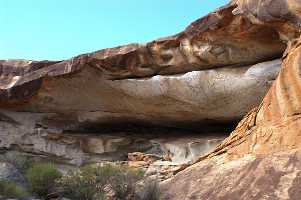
column 261, row 157
column 268, row 177
column 276, row 124
column 229, row 59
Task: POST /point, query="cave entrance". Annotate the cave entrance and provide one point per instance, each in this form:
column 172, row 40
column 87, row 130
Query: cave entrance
column 132, row 142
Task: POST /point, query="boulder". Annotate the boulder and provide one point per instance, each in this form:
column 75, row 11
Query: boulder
column 10, row 173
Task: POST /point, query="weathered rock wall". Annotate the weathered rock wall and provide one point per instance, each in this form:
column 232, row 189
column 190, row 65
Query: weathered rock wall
column 205, row 74
column 217, row 95
column 204, row 78
column 260, row 159
column 270, row 177
column 213, row 72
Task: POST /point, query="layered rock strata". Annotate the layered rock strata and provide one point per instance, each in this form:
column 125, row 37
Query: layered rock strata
column 264, row 149
column 204, row 78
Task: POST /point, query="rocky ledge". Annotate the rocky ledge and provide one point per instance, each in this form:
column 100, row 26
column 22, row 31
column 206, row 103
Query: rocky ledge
column 171, row 102
column 261, row 157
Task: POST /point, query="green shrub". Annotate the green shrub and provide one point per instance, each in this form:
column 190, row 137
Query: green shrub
column 11, row 190
column 124, row 183
column 41, row 178
column 150, row 191
column 95, row 182
column 75, row 185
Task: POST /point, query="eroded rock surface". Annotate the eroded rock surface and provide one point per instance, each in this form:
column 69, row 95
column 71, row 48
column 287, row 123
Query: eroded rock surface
column 275, row 125
column 9, row 172
column 219, row 95
column 204, row 78
column 261, row 158
column 268, row 177
column 201, row 73
column 20, row 131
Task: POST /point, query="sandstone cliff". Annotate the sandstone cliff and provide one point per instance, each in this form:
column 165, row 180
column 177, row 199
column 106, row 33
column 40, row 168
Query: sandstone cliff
column 203, row 79
column 260, row 159
column 98, row 106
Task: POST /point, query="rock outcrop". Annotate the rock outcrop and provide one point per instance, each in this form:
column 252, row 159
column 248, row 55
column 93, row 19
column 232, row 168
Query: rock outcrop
column 20, row 132
column 203, row 79
column 275, row 125
column 215, row 95
column 101, row 106
column 197, row 76
column 272, row 177
column 264, row 149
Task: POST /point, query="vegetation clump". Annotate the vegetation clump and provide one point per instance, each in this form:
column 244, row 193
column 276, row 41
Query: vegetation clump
column 92, row 182
column 41, row 179
column 9, row 189
column 99, row 182
column 150, row 191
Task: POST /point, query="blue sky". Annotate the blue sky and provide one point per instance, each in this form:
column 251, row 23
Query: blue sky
column 60, row 29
